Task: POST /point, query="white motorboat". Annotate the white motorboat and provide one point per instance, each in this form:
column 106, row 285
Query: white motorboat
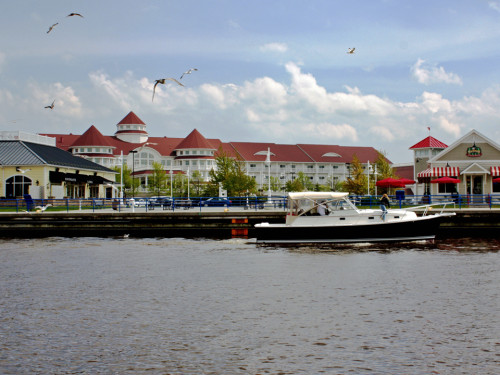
column 330, row 217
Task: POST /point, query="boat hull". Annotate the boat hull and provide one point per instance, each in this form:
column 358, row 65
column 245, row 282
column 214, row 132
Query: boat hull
column 412, row 230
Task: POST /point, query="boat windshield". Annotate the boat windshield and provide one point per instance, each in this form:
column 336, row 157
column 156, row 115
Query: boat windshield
column 308, row 206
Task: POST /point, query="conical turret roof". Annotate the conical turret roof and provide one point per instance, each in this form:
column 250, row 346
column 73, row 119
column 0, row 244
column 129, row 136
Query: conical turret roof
column 195, row 140
column 130, row 119
column 92, row 137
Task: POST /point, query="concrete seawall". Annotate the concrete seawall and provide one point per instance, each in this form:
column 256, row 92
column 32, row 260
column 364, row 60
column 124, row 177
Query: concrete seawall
column 470, row 222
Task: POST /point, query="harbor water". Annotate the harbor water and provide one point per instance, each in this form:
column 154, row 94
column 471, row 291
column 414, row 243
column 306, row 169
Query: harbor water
column 204, row 306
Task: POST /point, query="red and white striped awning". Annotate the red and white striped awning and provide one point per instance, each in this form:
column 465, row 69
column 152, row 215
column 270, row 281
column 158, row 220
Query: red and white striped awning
column 495, row 171
column 440, row 172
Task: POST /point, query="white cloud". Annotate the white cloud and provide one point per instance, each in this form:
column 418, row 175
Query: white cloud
column 435, row 103
column 450, row 127
column 427, row 75
column 382, row 133
column 495, row 5
column 274, row 47
column 66, row 102
column 329, row 131
column 296, row 111
column 306, row 87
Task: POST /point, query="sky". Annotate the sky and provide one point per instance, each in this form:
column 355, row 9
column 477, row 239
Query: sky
column 268, row 71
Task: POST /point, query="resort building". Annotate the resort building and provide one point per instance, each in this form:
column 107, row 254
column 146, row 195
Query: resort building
column 132, row 145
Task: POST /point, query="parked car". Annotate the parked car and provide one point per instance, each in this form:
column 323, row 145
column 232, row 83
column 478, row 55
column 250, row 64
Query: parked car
column 163, row 202
column 216, row 202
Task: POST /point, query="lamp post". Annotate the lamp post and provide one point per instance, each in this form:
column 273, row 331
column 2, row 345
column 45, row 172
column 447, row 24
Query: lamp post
column 268, row 163
column 133, row 152
column 368, row 179
column 188, row 181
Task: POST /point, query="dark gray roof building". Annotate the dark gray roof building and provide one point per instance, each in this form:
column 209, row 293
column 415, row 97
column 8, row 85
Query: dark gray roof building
column 13, row 153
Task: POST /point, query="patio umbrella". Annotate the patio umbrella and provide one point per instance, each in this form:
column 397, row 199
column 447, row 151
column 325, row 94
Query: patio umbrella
column 407, row 181
column 495, row 180
column 390, row 182
column 445, row 180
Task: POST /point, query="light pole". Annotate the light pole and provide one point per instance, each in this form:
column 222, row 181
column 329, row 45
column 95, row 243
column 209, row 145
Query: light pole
column 133, row 152
column 268, row 162
column 368, row 179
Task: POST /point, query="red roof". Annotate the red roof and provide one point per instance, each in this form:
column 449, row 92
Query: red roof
column 429, row 142
column 195, row 140
column 92, row 137
column 130, row 119
column 326, row 153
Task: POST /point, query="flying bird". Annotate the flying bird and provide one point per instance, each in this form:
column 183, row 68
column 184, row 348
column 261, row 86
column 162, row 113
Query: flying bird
column 189, row 72
column 74, row 14
column 51, row 27
column 22, row 170
column 351, row 50
column 50, row 106
column 162, row 81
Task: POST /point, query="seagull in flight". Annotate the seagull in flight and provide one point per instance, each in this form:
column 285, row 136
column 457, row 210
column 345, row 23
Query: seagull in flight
column 74, row 14
column 189, row 72
column 351, row 50
column 162, row 81
column 22, row 170
column 51, row 27
column 50, row 106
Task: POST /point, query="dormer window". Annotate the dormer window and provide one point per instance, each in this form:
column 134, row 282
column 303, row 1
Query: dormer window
column 332, row 155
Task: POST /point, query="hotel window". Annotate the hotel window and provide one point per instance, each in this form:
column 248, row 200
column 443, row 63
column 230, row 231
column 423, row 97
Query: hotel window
column 310, row 166
column 293, row 166
column 282, row 166
column 335, row 166
column 253, row 165
column 322, row 177
column 186, row 152
column 186, row 163
column 321, row 167
column 195, row 152
column 194, row 163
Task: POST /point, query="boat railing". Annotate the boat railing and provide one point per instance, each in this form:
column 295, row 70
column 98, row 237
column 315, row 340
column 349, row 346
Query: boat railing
column 428, row 207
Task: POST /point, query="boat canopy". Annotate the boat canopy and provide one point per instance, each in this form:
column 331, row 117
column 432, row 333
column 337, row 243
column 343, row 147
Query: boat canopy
column 327, row 195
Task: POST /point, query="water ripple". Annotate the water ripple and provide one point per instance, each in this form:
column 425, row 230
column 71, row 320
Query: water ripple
column 178, row 306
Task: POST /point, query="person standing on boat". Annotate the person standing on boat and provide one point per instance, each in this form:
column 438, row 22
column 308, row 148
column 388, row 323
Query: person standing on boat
column 384, row 201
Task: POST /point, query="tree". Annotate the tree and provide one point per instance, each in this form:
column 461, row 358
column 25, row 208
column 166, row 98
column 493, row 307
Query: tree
column 157, row 180
column 384, row 169
column 129, row 183
column 276, row 184
column 195, row 183
column 231, row 173
column 358, row 181
column 301, row 183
